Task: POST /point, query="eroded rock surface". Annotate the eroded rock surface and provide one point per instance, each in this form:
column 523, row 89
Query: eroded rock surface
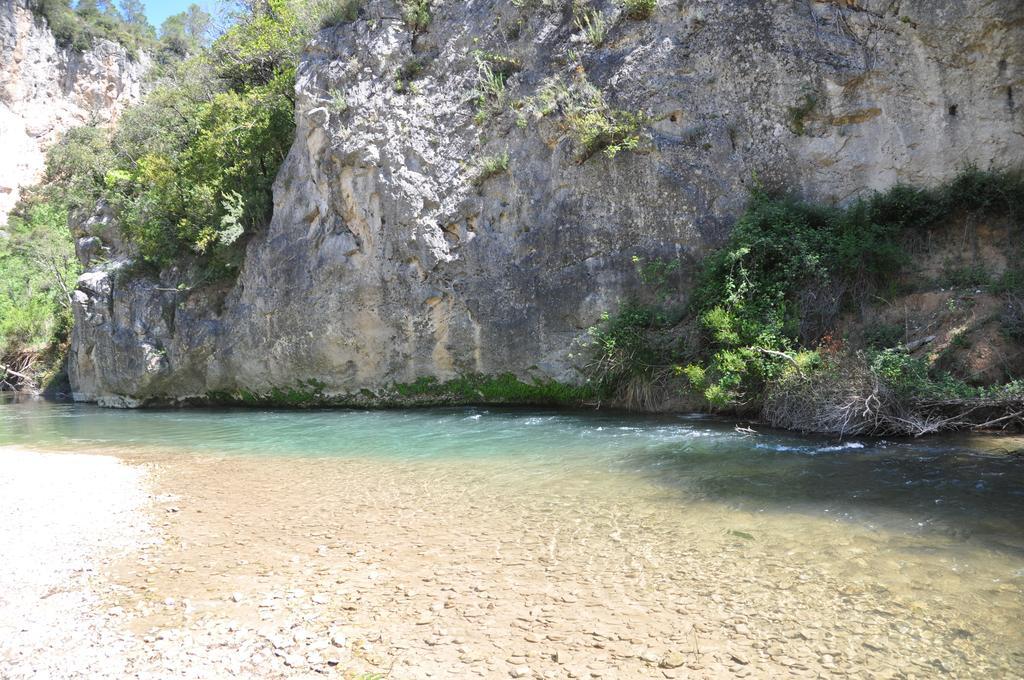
column 46, row 89
column 389, row 258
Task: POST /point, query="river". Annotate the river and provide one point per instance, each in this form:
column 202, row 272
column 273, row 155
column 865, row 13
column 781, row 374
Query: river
column 482, row 542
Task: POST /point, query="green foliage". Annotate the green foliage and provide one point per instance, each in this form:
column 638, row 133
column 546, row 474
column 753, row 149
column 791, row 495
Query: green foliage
column 593, row 124
column 196, row 161
column 965, row 276
column 305, row 394
column 37, row 274
column 911, row 377
column 656, row 273
column 1010, row 281
column 416, row 15
column 883, row 335
column 490, row 92
column 338, row 100
column 79, row 28
column 623, row 346
column 77, row 166
column 426, row 391
column 186, row 33
column 501, row 64
column 491, row 166
column 493, row 72
column 750, row 300
column 610, row 131
column 593, row 25
column 798, row 114
column 176, row 204
column 597, row 127
column 505, row 388
column 340, row 12
column 638, row 9
column 188, row 172
column 749, row 294
column 409, row 71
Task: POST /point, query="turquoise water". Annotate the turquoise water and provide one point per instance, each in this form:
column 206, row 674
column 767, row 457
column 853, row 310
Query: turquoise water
column 966, row 487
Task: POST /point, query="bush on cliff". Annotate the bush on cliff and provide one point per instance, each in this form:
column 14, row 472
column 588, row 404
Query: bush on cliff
column 765, row 305
column 194, row 163
column 37, row 274
column 78, row 28
column 188, row 171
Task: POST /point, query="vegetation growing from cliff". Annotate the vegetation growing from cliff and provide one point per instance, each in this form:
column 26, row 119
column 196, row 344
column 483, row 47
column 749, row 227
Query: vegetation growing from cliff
column 502, row 389
column 427, row 391
column 37, row 275
column 189, row 171
column 416, row 14
column 764, row 311
column 593, row 125
column 78, row 27
column 125, row 23
column 638, row 9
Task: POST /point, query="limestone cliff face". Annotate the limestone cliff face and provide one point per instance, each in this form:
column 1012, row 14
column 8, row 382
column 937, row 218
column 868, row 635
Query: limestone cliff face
column 389, row 259
column 46, row 89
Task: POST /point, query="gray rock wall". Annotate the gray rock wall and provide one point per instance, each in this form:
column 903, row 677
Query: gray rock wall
column 46, row 89
column 386, row 260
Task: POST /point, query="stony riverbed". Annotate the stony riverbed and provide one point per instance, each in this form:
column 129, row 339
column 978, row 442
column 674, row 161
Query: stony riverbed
column 240, row 567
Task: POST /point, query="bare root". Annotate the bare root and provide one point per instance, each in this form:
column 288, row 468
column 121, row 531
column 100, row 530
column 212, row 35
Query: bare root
column 849, row 400
column 16, row 372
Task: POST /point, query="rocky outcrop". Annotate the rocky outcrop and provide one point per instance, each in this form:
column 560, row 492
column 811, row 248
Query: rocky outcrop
column 46, row 89
column 391, row 256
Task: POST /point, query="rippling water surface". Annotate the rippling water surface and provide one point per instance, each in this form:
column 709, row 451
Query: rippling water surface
column 890, row 548
column 969, row 486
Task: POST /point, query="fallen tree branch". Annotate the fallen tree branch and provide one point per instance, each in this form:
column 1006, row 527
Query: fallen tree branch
column 781, row 355
column 14, row 373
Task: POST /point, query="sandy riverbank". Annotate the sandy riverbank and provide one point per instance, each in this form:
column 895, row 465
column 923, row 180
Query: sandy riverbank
column 66, row 519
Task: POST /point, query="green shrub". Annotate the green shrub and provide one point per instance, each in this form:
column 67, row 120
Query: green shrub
column 883, row 335
column 410, row 70
column 625, row 347
column 416, row 15
column 593, row 25
column 751, row 304
column 798, row 114
column 656, row 273
column 196, row 161
column 638, row 9
column 338, row 101
column 77, row 166
column 491, row 166
column 37, row 276
column 479, row 388
column 965, row 276
column 79, row 28
column 593, row 125
column 610, row 131
column 502, row 64
column 336, row 12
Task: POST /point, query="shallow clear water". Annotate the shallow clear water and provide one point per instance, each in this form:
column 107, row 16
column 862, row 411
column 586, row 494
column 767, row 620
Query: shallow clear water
column 969, row 487
column 916, row 543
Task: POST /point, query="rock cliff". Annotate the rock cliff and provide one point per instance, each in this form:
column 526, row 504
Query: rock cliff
column 46, row 89
column 433, row 219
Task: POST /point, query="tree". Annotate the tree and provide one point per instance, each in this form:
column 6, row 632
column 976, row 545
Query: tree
column 187, row 32
column 108, row 9
column 197, row 25
column 134, row 13
column 87, row 8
